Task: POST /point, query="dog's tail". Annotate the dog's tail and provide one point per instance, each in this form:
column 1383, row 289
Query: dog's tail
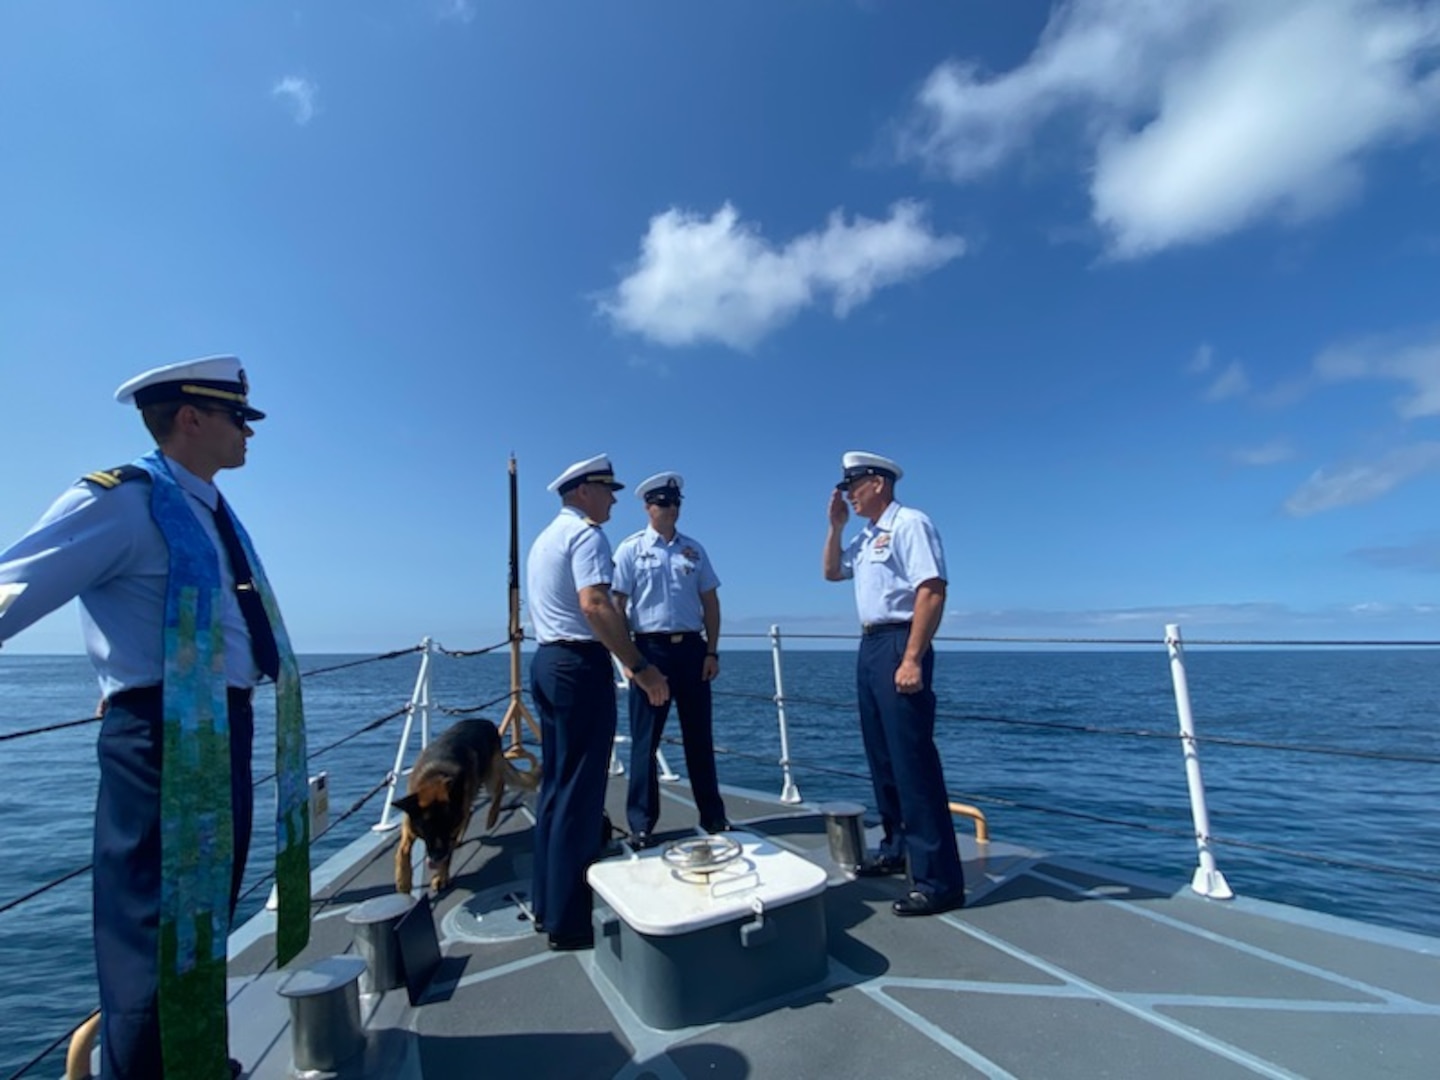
column 528, row 779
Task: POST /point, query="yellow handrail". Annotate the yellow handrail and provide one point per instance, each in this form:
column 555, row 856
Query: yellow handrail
column 982, row 830
column 82, row 1043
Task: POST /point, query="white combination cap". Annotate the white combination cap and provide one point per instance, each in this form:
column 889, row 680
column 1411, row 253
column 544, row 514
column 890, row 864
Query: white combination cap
column 595, row 470
column 858, row 463
column 212, row 380
column 665, row 485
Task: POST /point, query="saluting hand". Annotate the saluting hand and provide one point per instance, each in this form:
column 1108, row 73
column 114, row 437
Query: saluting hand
column 839, row 512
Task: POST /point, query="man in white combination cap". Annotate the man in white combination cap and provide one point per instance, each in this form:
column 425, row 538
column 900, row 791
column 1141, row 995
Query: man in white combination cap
column 898, row 566
column 180, row 625
column 668, row 592
column 568, row 577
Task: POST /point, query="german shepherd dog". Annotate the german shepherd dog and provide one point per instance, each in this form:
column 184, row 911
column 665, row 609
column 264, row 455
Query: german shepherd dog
column 443, row 787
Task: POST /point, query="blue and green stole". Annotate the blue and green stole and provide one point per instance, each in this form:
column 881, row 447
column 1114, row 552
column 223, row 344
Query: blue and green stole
column 197, row 835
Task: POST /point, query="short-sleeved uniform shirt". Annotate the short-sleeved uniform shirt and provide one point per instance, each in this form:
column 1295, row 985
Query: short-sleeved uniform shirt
column 572, row 553
column 104, row 547
column 889, row 560
column 664, row 581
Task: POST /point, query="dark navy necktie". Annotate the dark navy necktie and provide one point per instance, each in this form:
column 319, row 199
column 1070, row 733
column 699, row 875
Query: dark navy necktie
column 262, row 635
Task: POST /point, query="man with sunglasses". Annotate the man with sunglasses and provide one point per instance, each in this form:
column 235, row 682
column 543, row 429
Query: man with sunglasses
column 898, row 565
column 667, row 590
column 180, row 625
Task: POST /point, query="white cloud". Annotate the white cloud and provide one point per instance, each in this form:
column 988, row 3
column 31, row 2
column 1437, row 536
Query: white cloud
column 1201, row 117
column 1328, row 489
column 1270, row 453
column 299, row 94
column 1422, row 553
column 1230, row 383
column 1199, row 622
column 718, row 279
column 1416, row 361
column 462, row 11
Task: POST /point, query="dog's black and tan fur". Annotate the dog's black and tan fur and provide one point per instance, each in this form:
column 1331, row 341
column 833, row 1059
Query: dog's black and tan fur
column 443, row 787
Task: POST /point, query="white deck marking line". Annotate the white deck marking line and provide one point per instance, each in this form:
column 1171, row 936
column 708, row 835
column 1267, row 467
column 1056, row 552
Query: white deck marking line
column 656, row 1067
column 1147, row 1000
column 467, row 981
column 1165, row 1023
column 649, row 1046
column 936, row 1034
column 973, row 986
column 1410, row 1005
column 1296, row 1005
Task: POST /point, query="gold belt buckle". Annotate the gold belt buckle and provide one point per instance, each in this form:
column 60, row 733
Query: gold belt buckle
column 675, row 639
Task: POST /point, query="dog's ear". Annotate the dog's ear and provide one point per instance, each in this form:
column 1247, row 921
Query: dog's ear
column 409, row 804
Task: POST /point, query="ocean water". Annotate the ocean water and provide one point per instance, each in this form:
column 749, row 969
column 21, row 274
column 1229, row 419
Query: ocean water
column 1044, row 742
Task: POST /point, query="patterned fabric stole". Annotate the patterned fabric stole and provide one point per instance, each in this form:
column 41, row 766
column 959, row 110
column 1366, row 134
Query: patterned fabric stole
column 292, row 806
column 196, row 818
column 196, row 826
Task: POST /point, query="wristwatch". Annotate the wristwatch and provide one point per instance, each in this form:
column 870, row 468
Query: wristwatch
column 639, row 666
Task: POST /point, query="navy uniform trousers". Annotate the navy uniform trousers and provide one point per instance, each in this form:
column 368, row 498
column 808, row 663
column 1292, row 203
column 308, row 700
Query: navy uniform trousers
column 899, row 735
column 127, row 871
column 683, row 664
column 574, row 690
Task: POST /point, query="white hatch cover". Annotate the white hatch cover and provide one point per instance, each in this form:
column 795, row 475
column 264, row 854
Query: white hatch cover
column 655, row 896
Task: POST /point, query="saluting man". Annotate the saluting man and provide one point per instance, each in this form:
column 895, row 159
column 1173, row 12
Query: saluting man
column 568, row 577
column 180, row 624
column 899, row 569
column 667, row 590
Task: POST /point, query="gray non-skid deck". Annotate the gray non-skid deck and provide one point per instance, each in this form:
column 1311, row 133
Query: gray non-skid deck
column 1055, row 969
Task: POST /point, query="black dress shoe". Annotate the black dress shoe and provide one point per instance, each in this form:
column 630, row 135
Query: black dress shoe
column 916, row 902
column 235, row 1069
column 572, row 944
column 714, row 827
column 883, row 866
column 641, row 840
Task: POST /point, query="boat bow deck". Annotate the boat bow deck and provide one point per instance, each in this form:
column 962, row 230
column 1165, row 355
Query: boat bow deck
column 1054, row 969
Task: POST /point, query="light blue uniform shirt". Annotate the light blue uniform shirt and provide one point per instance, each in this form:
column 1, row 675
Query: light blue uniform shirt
column 663, row 581
column 571, row 554
column 104, row 547
column 889, row 560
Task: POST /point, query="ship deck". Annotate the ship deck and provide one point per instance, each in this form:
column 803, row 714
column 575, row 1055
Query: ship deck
column 1055, row 968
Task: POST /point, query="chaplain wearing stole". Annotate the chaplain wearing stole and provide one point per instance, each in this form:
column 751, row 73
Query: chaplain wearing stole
column 180, row 624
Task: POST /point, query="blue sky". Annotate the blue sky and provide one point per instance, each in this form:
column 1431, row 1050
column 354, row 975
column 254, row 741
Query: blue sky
column 1142, row 295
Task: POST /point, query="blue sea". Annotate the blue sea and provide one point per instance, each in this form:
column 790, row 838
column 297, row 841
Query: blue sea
column 1073, row 752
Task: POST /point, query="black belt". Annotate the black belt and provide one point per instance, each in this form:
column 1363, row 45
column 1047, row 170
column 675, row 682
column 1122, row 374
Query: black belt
column 884, row 627
column 574, row 646
column 141, row 697
column 673, row 637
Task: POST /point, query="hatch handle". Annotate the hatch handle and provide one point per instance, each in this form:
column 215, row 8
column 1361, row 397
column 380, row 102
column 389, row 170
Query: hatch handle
column 759, row 931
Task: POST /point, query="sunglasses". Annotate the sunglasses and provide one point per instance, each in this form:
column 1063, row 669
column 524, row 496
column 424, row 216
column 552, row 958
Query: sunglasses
column 664, row 501
column 237, row 416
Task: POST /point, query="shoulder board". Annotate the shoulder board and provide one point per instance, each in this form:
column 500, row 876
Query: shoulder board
column 636, row 536
column 113, row 478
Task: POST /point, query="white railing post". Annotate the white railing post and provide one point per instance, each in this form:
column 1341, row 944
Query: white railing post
column 419, row 703
column 789, row 793
column 1208, row 880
